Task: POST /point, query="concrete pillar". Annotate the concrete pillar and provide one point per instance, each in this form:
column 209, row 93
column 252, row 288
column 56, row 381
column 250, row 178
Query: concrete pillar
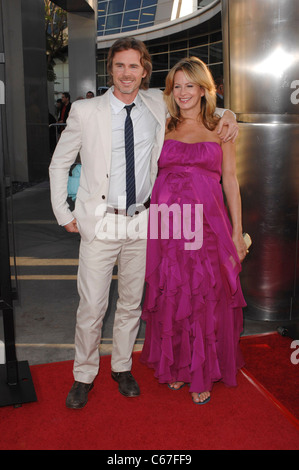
column 82, row 53
column 15, row 90
column 26, row 89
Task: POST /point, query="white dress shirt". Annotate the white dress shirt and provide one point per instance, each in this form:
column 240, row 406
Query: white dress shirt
column 144, row 125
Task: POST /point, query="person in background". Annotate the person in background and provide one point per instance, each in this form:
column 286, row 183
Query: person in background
column 219, row 92
column 58, row 107
column 65, row 109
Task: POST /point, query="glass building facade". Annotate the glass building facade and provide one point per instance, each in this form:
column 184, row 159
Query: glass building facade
column 119, row 16
column 203, row 41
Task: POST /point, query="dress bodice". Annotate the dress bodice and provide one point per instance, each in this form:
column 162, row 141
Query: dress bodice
column 206, row 157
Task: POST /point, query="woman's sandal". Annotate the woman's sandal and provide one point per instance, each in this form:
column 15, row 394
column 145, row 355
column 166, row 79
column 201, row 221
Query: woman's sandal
column 176, row 389
column 201, row 402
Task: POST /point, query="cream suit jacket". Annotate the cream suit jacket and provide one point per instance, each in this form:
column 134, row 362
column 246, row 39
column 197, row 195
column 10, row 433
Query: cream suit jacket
column 88, row 131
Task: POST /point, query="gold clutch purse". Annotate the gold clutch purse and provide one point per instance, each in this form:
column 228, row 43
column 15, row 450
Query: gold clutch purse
column 247, row 240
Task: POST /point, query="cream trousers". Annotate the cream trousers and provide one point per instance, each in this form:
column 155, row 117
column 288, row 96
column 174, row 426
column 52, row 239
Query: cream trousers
column 118, row 238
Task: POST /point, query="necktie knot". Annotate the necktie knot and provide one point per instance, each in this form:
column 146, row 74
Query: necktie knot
column 129, row 107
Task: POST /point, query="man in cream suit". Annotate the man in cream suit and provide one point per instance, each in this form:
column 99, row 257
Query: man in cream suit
column 95, row 128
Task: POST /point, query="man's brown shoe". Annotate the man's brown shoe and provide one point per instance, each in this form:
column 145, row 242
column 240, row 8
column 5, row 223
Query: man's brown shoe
column 78, row 395
column 127, row 385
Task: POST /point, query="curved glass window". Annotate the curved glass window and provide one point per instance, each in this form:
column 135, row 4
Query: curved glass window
column 133, row 4
column 116, row 6
column 123, row 15
column 131, row 18
column 114, row 21
column 147, row 15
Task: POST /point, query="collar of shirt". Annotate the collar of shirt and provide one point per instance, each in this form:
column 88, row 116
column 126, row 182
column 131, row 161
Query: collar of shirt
column 117, row 105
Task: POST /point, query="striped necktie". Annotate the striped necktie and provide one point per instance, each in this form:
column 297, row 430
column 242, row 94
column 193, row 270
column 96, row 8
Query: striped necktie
column 130, row 164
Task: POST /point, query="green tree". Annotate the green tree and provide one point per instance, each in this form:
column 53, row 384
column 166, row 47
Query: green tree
column 56, row 36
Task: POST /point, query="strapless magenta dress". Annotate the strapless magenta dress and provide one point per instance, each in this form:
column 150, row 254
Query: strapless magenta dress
column 193, row 300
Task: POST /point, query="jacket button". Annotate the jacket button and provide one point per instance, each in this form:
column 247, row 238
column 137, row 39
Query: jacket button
column 103, row 196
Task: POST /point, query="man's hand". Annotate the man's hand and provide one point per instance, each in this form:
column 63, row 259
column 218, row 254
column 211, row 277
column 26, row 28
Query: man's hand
column 72, row 227
column 228, row 128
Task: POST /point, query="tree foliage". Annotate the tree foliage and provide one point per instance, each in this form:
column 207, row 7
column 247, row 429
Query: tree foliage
column 56, row 36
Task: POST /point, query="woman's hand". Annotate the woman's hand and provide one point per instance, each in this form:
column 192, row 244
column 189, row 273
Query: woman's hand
column 240, row 246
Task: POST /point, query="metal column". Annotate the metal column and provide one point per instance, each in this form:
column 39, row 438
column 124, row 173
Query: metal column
column 261, row 72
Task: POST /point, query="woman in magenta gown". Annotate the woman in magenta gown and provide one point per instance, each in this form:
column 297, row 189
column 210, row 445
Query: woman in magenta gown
column 193, row 302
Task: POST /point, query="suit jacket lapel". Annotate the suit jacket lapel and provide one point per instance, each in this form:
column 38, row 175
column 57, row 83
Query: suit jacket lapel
column 104, row 126
column 157, row 109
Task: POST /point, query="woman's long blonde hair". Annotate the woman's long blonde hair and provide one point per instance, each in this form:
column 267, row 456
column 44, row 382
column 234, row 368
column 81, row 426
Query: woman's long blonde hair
column 197, row 72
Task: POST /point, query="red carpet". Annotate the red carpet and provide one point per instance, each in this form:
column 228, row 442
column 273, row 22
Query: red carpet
column 268, row 361
column 160, row 419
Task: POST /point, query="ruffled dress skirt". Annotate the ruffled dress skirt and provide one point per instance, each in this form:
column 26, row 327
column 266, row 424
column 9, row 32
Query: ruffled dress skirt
column 193, row 300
